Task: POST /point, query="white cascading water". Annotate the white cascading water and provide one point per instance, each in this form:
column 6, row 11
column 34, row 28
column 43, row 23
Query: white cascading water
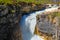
column 28, row 23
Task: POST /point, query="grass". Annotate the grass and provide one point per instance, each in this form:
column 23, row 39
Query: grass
column 28, row 1
column 58, row 14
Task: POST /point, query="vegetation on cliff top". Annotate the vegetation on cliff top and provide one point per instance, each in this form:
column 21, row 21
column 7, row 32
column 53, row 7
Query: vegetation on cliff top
column 28, row 1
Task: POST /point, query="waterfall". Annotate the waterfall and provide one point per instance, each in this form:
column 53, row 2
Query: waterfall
column 28, row 23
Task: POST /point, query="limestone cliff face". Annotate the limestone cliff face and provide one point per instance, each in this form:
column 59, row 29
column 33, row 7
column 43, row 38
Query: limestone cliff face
column 9, row 24
column 42, row 27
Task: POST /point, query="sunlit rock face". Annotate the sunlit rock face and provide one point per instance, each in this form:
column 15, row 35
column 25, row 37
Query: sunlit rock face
column 53, row 9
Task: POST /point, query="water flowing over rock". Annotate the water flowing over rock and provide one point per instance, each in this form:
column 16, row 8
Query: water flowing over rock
column 28, row 23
